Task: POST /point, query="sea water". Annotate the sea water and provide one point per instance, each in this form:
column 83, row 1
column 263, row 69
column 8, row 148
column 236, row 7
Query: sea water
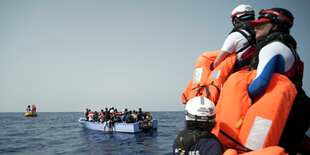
column 61, row 133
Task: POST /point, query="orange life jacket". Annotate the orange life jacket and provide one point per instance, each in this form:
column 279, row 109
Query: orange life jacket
column 34, row 108
column 207, row 82
column 272, row 150
column 253, row 126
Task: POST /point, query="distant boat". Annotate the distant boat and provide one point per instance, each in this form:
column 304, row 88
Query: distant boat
column 120, row 127
column 31, row 114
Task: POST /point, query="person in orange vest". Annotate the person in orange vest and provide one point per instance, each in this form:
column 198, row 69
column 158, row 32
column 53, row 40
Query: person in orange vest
column 101, row 116
column 276, row 53
column 34, row 109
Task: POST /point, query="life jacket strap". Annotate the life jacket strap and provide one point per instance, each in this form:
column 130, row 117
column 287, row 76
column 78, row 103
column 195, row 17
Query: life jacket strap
column 186, row 100
column 200, row 87
column 205, row 86
column 217, row 88
column 239, row 123
column 250, row 43
column 298, row 72
column 235, row 141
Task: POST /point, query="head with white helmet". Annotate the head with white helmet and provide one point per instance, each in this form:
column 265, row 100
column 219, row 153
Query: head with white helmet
column 200, row 114
column 242, row 13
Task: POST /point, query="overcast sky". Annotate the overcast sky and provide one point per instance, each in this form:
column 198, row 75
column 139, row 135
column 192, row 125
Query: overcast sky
column 68, row 55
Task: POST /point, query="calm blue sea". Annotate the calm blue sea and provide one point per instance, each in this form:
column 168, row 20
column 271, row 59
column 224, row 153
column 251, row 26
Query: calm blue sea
column 61, row 133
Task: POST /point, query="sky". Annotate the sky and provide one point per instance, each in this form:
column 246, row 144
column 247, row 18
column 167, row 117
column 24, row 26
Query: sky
column 68, row 55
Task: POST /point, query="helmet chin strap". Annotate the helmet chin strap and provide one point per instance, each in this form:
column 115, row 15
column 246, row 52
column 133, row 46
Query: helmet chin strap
column 233, row 22
column 272, row 27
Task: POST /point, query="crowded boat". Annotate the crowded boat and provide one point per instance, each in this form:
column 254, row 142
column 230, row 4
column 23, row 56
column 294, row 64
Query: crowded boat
column 111, row 120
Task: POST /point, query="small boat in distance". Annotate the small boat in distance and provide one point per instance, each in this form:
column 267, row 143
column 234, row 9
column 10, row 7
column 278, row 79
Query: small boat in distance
column 120, row 127
column 30, row 114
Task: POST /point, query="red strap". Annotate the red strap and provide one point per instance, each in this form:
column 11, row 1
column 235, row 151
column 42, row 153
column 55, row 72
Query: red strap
column 235, row 14
column 278, row 14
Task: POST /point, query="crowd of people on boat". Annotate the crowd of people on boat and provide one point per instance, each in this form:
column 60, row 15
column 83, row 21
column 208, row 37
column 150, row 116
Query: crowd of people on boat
column 114, row 116
column 34, row 108
column 263, row 46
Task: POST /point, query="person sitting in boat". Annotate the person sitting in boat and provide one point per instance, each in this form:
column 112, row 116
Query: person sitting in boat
column 34, row 108
column 124, row 116
column 112, row 109
column 90, row 116
column 148, row 117
column 197, row 138
column 241, row 40
column 276, row 53
column 147, row 123
column 134, row 115
column 129, row 118
column 101, row 116
column 116, row 112
column 28, row 109
column 116, row 118
column 86, row 114
column 95, row 116
column 140, row 115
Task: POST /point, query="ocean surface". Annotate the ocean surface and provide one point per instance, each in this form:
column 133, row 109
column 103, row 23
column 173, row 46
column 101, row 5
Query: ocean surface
column 61, row 133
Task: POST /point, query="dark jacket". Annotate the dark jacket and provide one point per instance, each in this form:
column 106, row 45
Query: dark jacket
column 206, row 144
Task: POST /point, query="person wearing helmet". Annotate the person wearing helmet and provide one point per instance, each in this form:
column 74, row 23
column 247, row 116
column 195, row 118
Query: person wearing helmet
column 197, row 137
column 276, row 53
column 241, row 39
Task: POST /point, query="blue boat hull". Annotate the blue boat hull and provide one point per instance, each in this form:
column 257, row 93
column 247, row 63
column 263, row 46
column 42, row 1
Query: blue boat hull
column 118, row 127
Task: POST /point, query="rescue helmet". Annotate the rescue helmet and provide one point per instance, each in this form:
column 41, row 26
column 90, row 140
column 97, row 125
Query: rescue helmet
column 200, row 109
column 243, row 12
column 277, row 15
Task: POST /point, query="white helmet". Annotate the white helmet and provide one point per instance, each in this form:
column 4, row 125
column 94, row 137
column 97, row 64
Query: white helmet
column 243, row 12
column 200, row 109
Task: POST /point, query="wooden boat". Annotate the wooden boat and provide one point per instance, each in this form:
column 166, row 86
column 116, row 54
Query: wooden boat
column 120, row 127
column 31, row 114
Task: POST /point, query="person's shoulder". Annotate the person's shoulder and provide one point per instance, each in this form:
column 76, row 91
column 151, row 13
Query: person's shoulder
column 275, row 46
column 209, row 141
column 276, row 43
column 207, row 146
column 235, row 36
column 244, row 31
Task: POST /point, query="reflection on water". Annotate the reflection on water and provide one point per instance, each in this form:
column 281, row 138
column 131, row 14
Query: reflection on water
column 99, row 136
